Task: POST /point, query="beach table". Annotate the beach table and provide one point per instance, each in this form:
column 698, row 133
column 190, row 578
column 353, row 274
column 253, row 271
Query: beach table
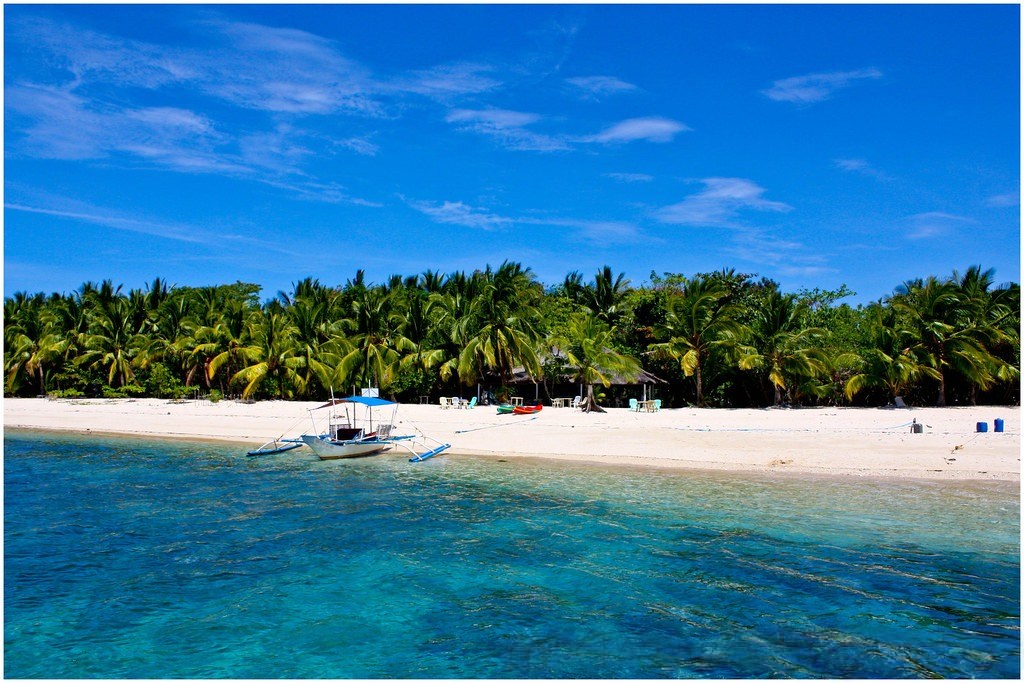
column 560, row 402
column 517, row 400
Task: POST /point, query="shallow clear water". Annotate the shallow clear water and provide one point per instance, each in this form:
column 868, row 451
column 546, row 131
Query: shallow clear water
column 133, row 559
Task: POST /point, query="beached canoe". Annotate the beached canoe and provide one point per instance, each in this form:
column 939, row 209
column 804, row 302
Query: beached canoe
column 527, row 410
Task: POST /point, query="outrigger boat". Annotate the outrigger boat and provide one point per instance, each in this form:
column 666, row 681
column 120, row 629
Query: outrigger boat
column 349, row 437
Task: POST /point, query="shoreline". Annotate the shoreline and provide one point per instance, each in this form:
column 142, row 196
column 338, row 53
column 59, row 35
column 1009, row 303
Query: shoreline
column 849, row 442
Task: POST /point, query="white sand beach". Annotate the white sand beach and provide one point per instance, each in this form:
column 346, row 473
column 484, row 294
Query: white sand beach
column 872, row 442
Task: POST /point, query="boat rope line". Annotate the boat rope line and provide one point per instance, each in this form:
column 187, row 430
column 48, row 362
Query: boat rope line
column 960, row 446
column 769, row 429
column 503, row 424
column 296, row 424
column 905, row 424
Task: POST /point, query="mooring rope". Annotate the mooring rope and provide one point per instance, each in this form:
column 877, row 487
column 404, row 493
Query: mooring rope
column 504, row 424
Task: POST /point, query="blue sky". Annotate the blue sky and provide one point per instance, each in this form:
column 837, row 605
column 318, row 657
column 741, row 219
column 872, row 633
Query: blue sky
column 816, row 145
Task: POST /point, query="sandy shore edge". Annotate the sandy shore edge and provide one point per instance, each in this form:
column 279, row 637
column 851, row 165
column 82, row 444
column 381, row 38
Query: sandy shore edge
column 867, row 442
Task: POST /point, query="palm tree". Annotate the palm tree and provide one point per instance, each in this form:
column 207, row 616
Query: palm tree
column 170, row 336
column 503, row 319
column 111, row 343
column 952, row 342
column 994, row 316
column 376, row 342
column 782, row 345
column 415, row 324
column 603, row 297
column 31, row 341
column 271, row 354
column 450, row 310
column 587, row 345
column 699, row 321
column 893, row 359
column 224, row 343
column 318, row 340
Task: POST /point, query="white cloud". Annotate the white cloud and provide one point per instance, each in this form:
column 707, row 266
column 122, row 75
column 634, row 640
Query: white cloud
column 650, row 128
column 155, row 228
column 248, row 65
column 448, row 80
column 62, row 125
column 282, row 70
column 492, row 119
column 860, row 166
column 934, row 224
column 595, row 230
column 111, row 220
column 1004, row 200
column 719, row 204
column 630, row 177
column 817, row 87
column 359, row 146
column 596, row 87
column 507, row 127
column 457, row 213
column 65, row 126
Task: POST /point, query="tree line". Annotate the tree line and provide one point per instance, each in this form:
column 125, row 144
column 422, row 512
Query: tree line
column 723, row 339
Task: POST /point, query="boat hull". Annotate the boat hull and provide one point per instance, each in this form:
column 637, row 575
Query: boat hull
column 526, row 410
column 335, row 450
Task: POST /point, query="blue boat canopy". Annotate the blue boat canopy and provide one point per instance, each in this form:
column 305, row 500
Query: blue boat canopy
column 371, row 401
column 367, row 401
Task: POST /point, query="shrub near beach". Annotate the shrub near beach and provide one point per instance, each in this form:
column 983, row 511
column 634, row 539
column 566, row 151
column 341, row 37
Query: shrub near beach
column 722, row 339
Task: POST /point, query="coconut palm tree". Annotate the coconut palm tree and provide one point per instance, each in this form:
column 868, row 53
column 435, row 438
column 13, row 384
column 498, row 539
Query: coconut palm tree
column 111, row 343
column 994, row 316
column 893, row 359
column 318, row 341
column 450, row 312
column 503, row 319
column 699, row 321
column 32, row 342
column 376, row 343
column 952, row 341
column 587, row 345
column 603, row 296
column 781, row 345
column 224, row 345
column 271, row 354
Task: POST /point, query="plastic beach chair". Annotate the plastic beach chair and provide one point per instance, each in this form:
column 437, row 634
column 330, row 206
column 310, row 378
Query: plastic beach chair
column 634, row 405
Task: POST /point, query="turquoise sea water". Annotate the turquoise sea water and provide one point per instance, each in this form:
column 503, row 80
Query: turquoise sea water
column 133, row 559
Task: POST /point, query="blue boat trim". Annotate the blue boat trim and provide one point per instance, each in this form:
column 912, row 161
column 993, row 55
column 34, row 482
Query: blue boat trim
column 431, row 453
column 290, row 446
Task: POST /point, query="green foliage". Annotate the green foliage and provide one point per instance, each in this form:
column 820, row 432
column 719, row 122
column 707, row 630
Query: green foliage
column 161, row 382
column 66, row 393
column 721, row 338
column 125, row 391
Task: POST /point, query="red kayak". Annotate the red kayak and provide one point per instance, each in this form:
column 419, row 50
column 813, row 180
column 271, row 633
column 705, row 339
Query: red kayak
column 526, row 410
